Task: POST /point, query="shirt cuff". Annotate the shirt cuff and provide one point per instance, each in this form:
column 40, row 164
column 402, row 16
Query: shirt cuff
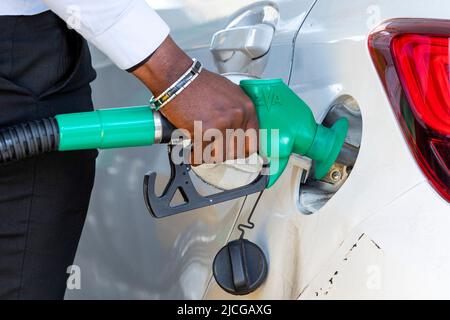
column 134, row 37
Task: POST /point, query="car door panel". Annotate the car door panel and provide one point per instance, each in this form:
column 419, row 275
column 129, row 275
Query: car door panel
column 124, row 252
column 378, row 236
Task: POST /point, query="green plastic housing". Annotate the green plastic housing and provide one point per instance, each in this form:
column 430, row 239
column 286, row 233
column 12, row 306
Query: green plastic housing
column 107, row 128
column 296, row 130
column 277, row 106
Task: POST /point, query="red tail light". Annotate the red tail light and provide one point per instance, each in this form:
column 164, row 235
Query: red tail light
column 412, row 57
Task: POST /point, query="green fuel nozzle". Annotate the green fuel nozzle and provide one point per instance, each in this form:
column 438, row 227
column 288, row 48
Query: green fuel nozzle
column 287, row 122
column 109, row 128
column 290, row 127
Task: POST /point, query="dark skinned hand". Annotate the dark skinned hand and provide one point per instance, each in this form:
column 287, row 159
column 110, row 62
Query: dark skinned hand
column 212, row 99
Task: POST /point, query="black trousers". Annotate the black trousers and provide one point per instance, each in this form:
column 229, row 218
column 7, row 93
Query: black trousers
column 45, row 69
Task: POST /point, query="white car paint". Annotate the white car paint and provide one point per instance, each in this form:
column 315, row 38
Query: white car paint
column 124, row 253
column 386, row 208
column 386, row 202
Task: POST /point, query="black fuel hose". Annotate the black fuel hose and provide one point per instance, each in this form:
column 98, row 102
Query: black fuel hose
column 28, row 139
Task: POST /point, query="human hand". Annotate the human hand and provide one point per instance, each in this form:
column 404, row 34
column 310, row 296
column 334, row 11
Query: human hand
column 211, row 99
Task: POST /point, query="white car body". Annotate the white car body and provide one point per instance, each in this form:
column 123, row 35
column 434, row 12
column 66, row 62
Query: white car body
column 384, row 235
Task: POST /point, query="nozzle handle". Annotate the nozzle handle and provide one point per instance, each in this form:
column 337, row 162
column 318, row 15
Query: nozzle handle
column 113, row 128
column 100, row 129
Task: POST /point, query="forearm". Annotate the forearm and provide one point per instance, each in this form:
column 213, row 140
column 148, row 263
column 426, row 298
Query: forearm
column 164, row 67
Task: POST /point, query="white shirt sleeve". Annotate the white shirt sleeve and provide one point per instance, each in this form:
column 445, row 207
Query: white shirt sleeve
column 127, row 31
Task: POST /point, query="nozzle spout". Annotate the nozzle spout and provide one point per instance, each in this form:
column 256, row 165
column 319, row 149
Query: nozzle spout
column 327, row 146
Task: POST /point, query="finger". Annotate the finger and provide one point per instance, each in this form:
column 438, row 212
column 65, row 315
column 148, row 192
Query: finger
column 252, row 137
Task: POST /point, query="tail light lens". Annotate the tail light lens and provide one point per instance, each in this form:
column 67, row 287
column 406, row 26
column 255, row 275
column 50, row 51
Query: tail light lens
column 412, row 57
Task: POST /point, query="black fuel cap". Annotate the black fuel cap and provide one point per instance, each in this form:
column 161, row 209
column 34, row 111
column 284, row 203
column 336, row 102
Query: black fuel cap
column 240, row 267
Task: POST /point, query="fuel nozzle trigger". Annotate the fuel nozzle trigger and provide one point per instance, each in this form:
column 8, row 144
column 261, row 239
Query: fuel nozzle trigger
column 180, row 182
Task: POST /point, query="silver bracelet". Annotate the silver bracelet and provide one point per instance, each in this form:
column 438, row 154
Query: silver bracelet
column 175, row 89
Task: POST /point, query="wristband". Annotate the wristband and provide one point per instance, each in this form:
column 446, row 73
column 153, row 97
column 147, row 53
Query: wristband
column 175, row 89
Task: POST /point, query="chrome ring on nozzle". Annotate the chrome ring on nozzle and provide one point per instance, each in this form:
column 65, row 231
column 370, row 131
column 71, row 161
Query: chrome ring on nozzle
column 158, row 126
